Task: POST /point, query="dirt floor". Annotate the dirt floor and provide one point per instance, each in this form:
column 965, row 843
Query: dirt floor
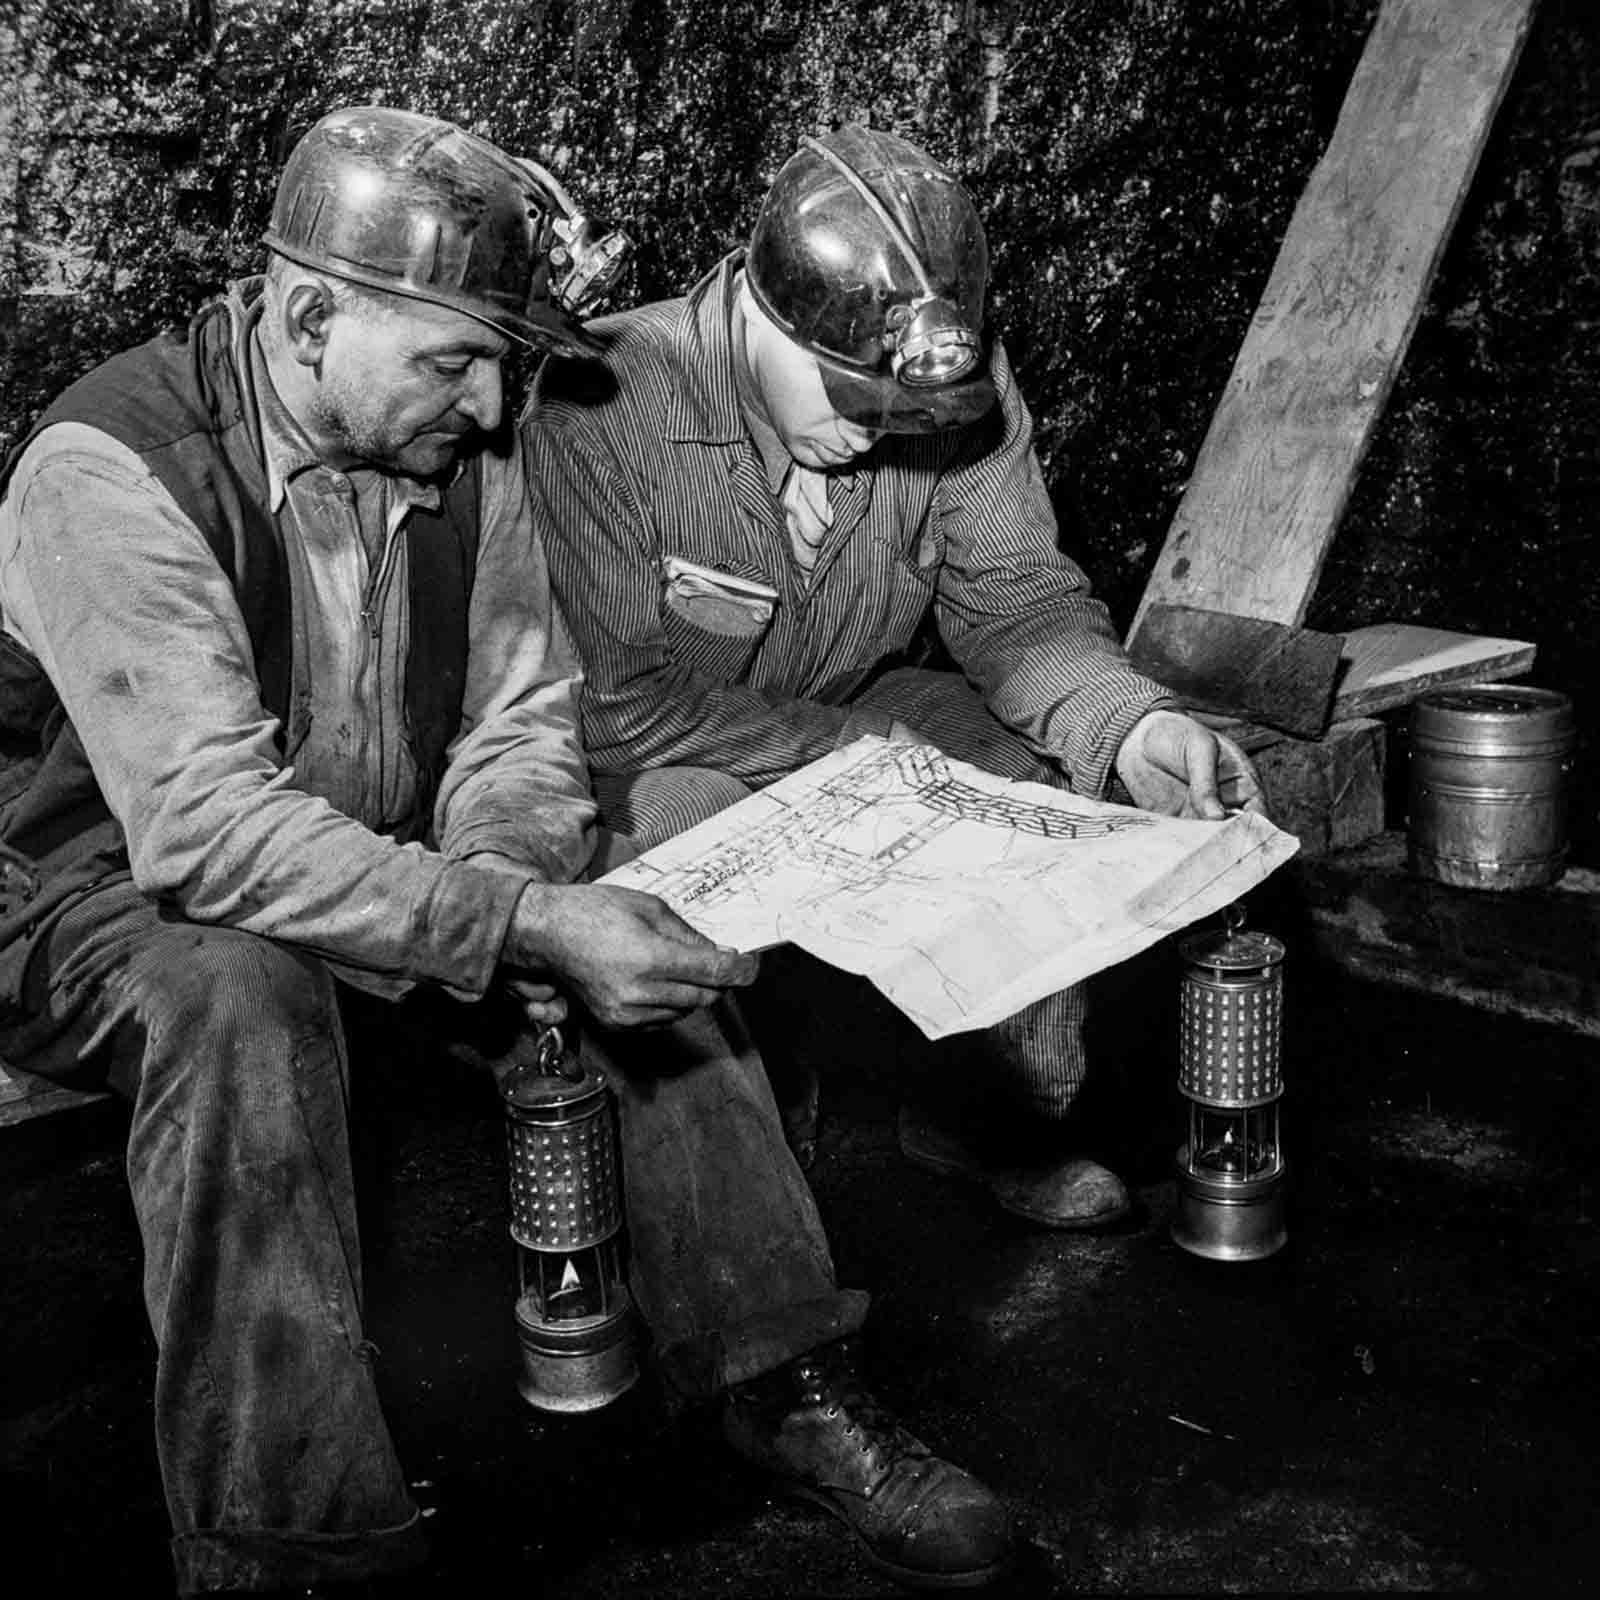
column 1403, row 1399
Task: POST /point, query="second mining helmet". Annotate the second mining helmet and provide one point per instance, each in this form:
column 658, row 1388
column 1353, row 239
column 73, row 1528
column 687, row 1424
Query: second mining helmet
column 870, row 256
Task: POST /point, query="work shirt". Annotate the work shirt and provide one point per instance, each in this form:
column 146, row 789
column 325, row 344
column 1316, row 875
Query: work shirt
column 706, row 642
column 118, row 595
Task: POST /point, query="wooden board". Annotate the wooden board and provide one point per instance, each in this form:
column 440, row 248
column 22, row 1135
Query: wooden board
column 1390, row 663
column 1327, row 792
column 1276, row 469
column 1241, row 666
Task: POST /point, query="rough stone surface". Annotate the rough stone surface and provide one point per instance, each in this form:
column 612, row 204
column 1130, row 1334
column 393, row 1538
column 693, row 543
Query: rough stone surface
column 1137, row 165
column 1530, row 952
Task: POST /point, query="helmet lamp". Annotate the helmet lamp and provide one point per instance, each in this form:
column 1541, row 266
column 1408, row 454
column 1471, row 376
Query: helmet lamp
column 933, row 345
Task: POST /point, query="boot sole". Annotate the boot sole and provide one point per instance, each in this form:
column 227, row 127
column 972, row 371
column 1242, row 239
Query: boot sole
column 1042, row 1219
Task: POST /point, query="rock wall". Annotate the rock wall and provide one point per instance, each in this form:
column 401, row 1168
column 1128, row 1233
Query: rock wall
column 1136, row 161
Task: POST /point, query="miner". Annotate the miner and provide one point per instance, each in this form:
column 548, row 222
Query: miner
column 802, row 504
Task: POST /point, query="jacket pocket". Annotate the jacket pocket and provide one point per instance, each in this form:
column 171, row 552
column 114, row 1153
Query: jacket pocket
column 714, row 621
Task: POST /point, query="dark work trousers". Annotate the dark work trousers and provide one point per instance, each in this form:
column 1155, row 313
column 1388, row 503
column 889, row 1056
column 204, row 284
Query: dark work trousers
column 277, row 1463
column 1034, row 1061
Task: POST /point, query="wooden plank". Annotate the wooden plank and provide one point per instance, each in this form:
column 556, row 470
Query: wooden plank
column 1390, row 663
column 1327, row 792
column 1275, row 471
column 23, row 1097
column 1242, row 666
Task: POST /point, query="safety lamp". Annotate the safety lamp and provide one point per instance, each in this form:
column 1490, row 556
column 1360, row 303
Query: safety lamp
column 574, row 1313
column 1231, row 1170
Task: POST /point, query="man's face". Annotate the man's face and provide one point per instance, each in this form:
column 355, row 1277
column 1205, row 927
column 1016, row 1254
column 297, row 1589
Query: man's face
column 407, row 388
column 797, row 406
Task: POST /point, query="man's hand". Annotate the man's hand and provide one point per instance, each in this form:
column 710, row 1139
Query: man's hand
column 627, row 956
column 542, row 1003
column 1172, row 764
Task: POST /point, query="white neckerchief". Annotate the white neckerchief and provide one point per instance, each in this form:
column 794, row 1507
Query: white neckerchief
column 807, row 511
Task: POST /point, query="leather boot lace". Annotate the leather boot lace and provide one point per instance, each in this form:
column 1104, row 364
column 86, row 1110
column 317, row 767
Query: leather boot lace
column 827, row 1379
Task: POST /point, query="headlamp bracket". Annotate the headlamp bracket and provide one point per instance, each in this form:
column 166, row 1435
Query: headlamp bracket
column 584, row 268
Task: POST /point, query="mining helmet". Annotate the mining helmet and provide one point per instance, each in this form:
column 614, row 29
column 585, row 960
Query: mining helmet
column 870, row 256
column 418, row 207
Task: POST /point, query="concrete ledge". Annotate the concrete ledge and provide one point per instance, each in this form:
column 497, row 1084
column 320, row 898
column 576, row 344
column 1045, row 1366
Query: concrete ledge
column 1533, row 953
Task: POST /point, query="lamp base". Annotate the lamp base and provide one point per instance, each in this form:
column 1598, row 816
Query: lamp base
column 580, row 1365
column 1222, row 1219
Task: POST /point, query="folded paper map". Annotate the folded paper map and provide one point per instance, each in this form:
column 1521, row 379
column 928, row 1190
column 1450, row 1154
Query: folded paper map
column 964, row 897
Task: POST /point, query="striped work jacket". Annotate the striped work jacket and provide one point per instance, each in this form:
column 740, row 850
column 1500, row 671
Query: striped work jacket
column 703, row 641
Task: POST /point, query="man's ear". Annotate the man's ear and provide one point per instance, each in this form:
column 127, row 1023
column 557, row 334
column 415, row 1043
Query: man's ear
column 307, row 308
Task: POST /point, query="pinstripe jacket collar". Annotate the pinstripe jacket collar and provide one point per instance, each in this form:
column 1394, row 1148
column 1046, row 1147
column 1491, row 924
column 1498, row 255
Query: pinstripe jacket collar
column 706, row 409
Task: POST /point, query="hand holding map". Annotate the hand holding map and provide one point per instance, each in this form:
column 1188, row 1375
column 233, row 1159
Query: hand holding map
column 962, row 896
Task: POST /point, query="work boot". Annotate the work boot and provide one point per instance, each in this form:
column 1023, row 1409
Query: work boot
column 920, row 1519
column 1071, row 1193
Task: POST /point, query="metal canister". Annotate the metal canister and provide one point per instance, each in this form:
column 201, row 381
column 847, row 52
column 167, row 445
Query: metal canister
column 1488, row 789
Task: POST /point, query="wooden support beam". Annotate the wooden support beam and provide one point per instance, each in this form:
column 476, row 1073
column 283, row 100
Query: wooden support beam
column 1241, row 666
column 1275, row 471
column 1327, row 792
